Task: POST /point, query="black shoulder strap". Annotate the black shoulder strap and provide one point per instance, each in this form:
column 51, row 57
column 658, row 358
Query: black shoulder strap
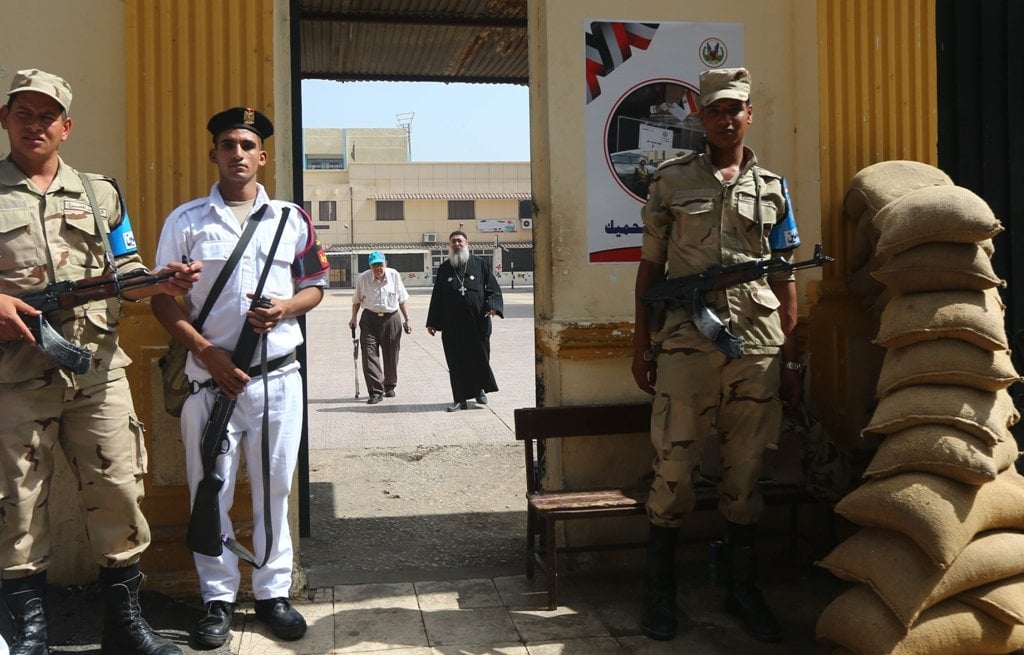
column 229, row 266
column 268, row 528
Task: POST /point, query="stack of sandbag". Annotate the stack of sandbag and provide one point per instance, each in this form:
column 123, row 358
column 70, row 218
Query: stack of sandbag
column 938, row 562
column 871, row 189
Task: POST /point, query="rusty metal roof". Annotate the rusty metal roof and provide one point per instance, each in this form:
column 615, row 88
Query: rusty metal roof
column 414, row 40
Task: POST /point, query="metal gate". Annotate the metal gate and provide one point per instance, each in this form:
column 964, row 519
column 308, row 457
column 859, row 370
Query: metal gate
column 981, row 93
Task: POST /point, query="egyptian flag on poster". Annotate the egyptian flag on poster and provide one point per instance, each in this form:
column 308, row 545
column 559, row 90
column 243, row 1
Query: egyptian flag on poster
column 640, row 94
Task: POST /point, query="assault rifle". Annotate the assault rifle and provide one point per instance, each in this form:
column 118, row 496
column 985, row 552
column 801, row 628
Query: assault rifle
column 204, row 533
column 204, row 530
column 72, row 293
column 688, row 293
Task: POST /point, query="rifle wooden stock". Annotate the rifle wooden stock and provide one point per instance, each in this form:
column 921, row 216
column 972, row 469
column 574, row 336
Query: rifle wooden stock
column 204, row 534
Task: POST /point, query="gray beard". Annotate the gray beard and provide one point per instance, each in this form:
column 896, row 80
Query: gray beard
column 458, row 258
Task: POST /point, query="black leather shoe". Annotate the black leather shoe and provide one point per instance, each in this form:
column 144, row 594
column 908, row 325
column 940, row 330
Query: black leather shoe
column 454, row 407
column 390, row 393
column 481, row 399
column 282, row 619
column 374, row 399
column 214, row 629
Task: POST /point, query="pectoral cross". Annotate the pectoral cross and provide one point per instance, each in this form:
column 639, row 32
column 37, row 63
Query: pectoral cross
column 462, row 289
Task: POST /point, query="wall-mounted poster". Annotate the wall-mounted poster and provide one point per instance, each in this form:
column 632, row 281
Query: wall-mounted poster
column 641, row 98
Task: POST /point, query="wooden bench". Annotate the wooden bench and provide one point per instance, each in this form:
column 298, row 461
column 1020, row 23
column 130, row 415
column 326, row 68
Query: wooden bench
column 546, row 507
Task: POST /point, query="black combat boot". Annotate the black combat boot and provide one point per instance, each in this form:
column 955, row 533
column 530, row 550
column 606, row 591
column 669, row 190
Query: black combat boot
column 25, row 600
column 659, row 620
column 124, row 630
column 742, row 597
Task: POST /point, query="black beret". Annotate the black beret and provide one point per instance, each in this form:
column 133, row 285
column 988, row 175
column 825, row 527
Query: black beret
column 245, row 118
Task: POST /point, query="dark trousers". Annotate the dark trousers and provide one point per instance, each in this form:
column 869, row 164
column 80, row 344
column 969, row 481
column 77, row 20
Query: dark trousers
column 380, row 337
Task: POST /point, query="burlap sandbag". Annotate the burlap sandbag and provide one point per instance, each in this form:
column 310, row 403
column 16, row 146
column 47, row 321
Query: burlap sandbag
column 940, row 213
column 942, row 450
column 945, row 361
column 1003, row 600
column 983, row 414
column 860, row 622
column 878, row 184
column 874, row 187
column 972, row 316
column 940, row 515
column 908, row 582
column 939, row 267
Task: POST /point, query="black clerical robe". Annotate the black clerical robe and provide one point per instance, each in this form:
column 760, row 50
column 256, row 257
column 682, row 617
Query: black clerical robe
column 459, row 307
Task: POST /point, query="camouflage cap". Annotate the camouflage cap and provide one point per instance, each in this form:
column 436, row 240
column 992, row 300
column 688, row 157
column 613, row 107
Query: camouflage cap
column 33, row 79
column 724, row 83
column 245, row 118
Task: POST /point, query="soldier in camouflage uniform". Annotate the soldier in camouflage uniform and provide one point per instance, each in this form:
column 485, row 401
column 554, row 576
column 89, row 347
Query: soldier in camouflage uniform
column 704, row 210
column 48, row 233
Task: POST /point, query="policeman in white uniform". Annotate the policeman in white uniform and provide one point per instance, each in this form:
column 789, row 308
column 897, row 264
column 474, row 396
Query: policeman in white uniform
column 207, row 230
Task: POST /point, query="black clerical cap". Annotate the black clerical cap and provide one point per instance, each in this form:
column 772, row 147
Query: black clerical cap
column 245, row 118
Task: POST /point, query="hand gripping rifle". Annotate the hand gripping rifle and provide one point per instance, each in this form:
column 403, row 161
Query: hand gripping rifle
column 204, row 529
column 688, row 293
column 72, row 293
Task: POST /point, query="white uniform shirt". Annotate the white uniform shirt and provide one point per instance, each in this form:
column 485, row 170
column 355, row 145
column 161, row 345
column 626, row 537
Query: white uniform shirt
column 377, row 296
column 205, row 230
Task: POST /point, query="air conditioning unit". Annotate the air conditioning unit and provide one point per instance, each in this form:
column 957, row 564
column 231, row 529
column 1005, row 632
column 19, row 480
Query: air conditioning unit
column 526, row 223
column 430, row 237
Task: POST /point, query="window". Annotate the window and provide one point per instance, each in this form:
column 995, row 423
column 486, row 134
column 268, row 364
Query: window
column 390, row 210
column 328, row 210
column 461, row 210
column 307, row 206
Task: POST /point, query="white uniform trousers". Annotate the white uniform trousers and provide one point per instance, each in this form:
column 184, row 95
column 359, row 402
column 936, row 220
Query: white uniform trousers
column 219, row 576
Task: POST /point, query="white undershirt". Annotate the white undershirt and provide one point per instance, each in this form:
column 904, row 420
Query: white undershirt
column 240, row 208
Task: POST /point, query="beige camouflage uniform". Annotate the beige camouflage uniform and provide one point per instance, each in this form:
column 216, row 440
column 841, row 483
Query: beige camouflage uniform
column 47, row 237
column 693, row 220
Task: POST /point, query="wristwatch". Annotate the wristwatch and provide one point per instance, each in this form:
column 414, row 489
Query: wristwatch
column 793, row 366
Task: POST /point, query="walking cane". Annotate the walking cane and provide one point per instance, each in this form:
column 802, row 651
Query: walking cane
column 355, row 359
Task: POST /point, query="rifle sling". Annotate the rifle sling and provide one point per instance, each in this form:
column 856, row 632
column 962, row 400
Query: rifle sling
column 230, row 543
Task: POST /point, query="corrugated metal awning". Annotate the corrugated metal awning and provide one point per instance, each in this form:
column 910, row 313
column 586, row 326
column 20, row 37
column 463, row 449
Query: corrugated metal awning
column 414, row 40
column 519, row 195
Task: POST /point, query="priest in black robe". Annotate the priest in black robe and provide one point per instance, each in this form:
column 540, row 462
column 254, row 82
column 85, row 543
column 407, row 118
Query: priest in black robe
column 465, row 297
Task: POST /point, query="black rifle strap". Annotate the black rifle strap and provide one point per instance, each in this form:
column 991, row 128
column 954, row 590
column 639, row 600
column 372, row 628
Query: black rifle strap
column 238, row 549
column 229, row 266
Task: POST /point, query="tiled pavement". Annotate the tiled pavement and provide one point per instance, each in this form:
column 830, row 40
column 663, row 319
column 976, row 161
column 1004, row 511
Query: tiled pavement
column 508, row 616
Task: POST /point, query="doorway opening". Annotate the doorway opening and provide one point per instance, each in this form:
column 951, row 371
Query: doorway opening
column 403, row 490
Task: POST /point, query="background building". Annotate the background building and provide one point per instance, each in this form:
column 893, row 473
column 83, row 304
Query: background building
column 364, row 194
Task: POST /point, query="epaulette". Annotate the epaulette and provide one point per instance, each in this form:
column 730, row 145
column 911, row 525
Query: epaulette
column 764, row 172
column 685, row 159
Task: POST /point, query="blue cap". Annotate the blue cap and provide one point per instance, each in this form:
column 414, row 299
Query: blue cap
column 376, row 257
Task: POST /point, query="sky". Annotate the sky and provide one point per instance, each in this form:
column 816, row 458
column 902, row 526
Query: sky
column 450, row 122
